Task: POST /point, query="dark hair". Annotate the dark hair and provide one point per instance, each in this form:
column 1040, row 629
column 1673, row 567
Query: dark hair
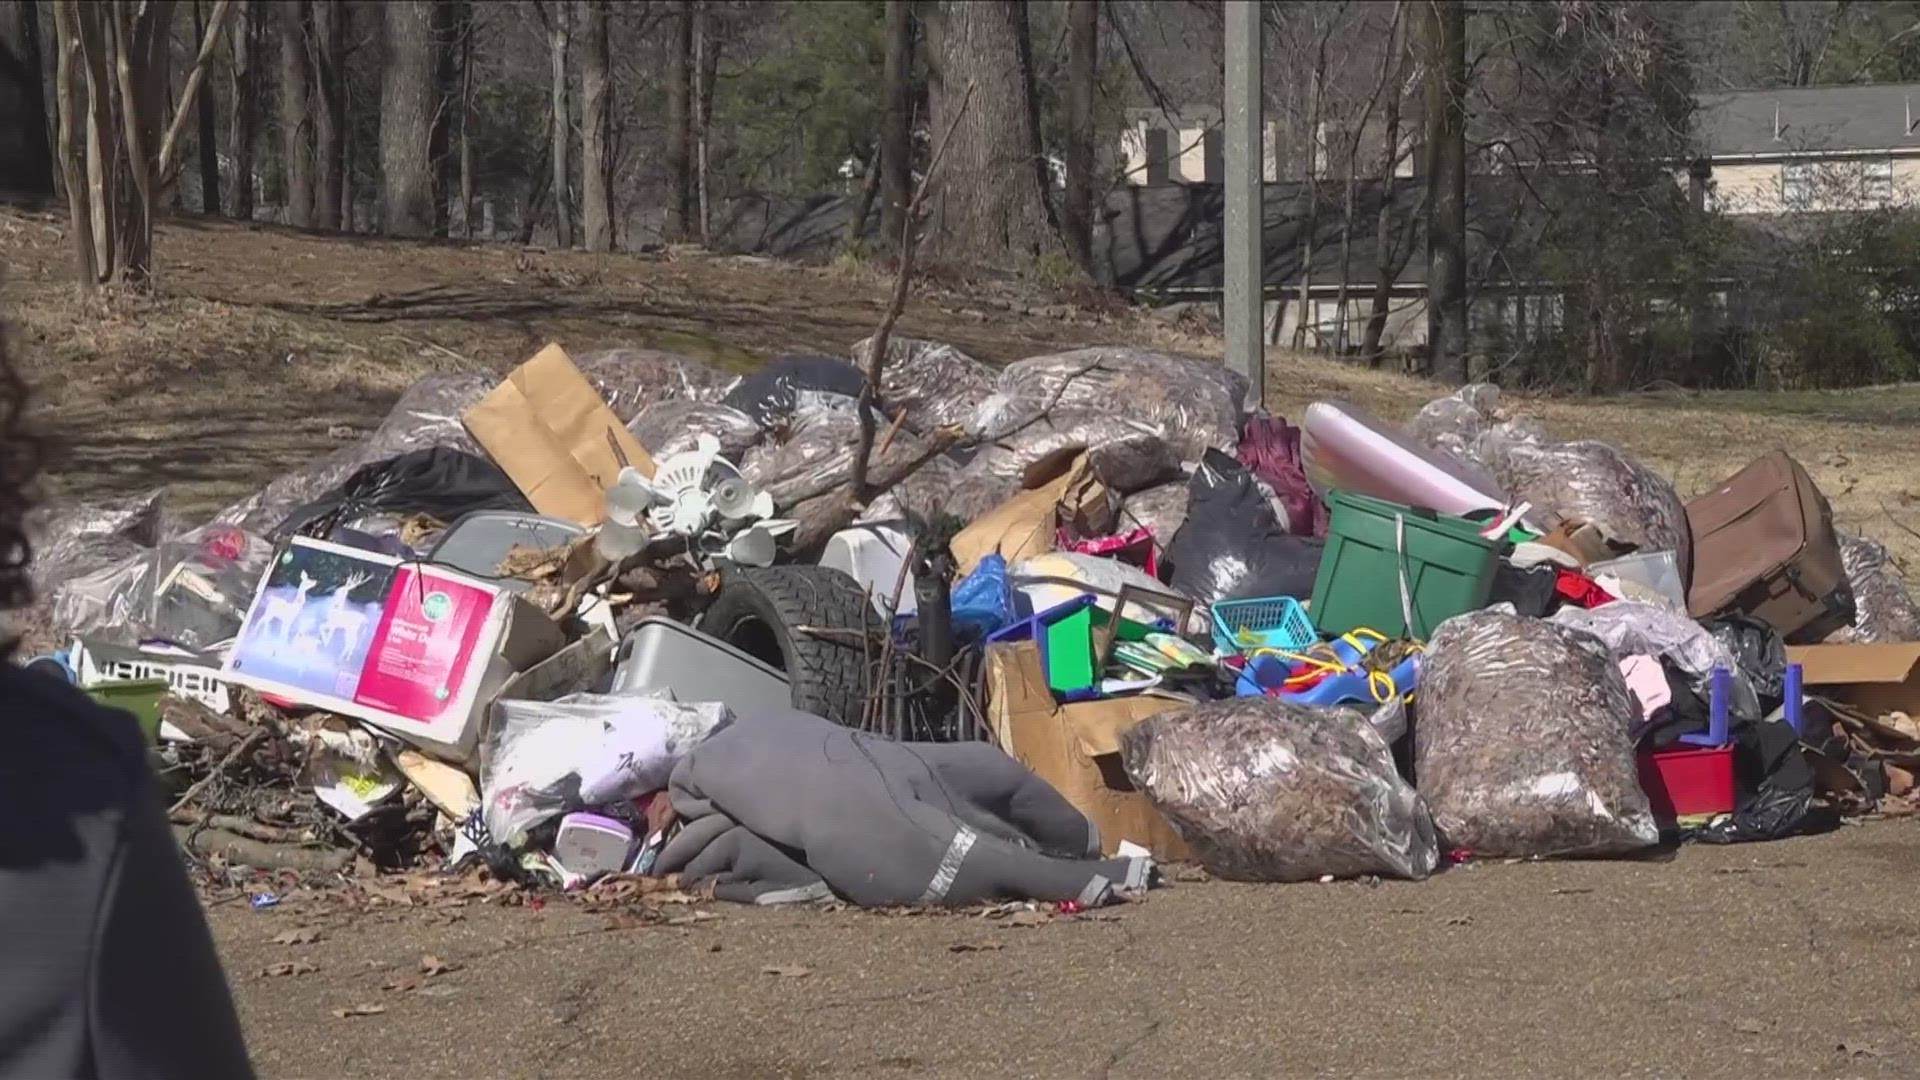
column 21, row 455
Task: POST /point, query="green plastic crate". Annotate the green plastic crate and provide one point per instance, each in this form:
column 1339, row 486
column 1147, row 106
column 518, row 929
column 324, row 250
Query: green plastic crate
column 140, row 697
column 1449, row 568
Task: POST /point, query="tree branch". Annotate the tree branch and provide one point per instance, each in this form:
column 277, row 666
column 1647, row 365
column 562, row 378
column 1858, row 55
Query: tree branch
column 164, row 164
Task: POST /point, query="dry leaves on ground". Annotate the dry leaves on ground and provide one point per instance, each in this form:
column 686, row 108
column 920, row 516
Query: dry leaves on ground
column 288, row 967
column 359, row 1010
column 305, row 935
column 787, row 971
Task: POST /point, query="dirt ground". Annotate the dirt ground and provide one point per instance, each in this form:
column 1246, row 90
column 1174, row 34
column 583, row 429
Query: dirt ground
column 267, row 347
column 1793, row 959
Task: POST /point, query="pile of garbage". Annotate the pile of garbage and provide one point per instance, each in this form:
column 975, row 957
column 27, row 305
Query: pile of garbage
column 977, row 635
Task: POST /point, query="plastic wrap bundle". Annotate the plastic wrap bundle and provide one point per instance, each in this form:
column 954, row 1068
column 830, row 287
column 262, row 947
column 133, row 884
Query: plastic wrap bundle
column 193, row 590
column 929, row 491
column 632, row 379
column 84, row 537
column 1161, row 510
column 1522, row 745
column 1638, row 628
column 426, row 416
column 1128, row 455
column 583, row 750
column 817, row 455
column 935, row 383
column 666, row 428
column 1196, row 403
column 1883, row 608
column 1262, row 790
column 1593, row 482
column 1457, row 421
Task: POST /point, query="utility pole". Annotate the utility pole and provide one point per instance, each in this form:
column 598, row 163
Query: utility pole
column 1245, row 307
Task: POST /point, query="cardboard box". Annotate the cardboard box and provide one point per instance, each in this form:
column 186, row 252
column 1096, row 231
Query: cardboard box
column 411, row 648
column 550, row 431
column 1876, row 679
column 1076, row 748
column 1028, row 524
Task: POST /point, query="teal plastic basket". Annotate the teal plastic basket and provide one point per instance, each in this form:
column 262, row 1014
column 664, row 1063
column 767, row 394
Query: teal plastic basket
column 1272, row 622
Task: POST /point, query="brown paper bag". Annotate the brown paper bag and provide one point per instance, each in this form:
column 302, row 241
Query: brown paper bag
column 550, row 431
column 1026, row 525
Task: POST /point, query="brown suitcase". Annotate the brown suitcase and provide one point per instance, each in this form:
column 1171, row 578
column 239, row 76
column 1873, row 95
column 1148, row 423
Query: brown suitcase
column 1763, row 545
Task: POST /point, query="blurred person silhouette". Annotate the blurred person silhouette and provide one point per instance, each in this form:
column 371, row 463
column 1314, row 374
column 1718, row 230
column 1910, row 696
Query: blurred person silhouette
column 107, row 968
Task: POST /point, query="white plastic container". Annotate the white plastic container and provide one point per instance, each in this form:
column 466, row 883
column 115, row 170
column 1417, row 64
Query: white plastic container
column 590, row 845
column 873, row 555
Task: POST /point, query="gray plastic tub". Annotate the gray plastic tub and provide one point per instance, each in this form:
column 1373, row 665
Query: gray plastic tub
column 660, row 654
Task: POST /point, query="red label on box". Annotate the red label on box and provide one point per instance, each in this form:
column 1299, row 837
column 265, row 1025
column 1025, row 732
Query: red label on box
column 423, row 646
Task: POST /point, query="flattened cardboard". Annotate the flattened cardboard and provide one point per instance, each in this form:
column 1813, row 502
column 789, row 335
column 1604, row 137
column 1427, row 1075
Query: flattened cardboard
column 1076, row 748
column 553, row 435
column 1026, row 525
column 1873, row 678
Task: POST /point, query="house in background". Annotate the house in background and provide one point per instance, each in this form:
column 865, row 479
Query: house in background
column 1763, row 156
column 1811, row 149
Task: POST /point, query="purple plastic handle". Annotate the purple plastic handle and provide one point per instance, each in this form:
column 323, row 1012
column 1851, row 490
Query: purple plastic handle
column 1717, row 712
column 1796, row 696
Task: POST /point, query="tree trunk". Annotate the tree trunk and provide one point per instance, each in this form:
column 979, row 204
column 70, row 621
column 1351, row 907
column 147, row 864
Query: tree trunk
column 328, row 60
column 1315, row 110
column 407, row 100
column 451, row 22
column 863, row 210
column 993, row 211
column 103, row 149
column 68, row 72
column 246, row 105
column 896, row 131
column 680, row 208
column 466, row 131
column 1388, row 263
column 706, row 68
column 296, row 154
column 141, row 49
column 1445, row 24
column 26, row 148
column 596, row 85
column 207, row 133
column 559, row 124
column 1083, row 73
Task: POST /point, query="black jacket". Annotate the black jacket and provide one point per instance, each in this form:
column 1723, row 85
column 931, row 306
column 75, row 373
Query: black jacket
column 107, row 969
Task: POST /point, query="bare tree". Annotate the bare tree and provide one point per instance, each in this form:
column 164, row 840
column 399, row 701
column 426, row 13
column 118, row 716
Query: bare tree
column 296, row 132
column 559, row 36
column 706, row 69
column 1392, row 251
column 991, row 208
column 327, row 57
column 1083, row 85
column 596, row 90
column 1311, row 169
column 470, row 28
column 131, row 152
column 680, row 208
column 1388, row 83
column 242, row 47
column 896, row 130
column 1444, row 37
column 207, row 132
column 408, row 105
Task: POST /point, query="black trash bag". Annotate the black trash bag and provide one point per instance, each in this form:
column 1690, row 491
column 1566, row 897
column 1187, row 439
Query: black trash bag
column 797, row 384
column 1771, row 813
column 439, row 482
column 1760, row 654
column 1232, row 545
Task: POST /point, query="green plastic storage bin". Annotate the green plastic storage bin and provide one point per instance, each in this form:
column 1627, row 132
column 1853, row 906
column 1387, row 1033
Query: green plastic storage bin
column 1449, row 567
column 141, row 698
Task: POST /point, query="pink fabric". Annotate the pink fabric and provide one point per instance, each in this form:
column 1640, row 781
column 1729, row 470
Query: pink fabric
column 1648, row 681
column 1136, row 546
column 1270, row 449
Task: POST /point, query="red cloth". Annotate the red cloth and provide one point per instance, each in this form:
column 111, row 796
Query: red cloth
column 1577, row 588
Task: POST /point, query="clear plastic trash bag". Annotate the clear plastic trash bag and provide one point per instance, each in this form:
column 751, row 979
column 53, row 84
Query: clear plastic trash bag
column 1197, row 404
column 1264, row 790
column 632, row 379
column 1884, row 611
column 1522, row 744
column 667, row 428
column 934, row 382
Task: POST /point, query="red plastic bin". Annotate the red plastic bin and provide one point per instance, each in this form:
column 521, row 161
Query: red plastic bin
column 1687, row 782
